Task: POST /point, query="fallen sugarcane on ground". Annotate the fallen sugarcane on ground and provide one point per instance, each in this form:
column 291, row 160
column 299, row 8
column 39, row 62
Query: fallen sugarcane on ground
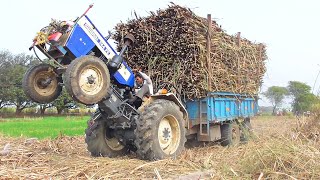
column 281, row 149
column 171, row 46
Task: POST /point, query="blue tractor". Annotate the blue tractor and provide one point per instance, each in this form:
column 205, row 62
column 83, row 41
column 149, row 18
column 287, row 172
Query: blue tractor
column 92, row 72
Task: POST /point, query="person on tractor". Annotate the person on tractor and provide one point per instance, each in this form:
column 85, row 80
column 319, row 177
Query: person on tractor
column 143, row 88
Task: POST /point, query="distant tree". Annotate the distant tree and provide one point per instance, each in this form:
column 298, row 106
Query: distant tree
column 3, row 101
column 302, row 98
column 5, row 58
column 64, row 101
column 43, row 107
column 297, row 88
column 12, row 69
column 276, row 95
column 316, row 107
column 305, row 102
column 4, row 96
column 19, row 99
column 16, row 72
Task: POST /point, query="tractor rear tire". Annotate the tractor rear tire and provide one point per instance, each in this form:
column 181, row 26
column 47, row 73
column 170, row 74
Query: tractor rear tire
column 100, row 142
column 230, row 134
column 41, row 84
column 245, row 130
column 160, row 131
column 87, row 80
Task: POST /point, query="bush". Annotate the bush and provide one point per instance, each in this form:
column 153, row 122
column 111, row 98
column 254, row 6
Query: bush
column 290, row 156
column 316, row 109
column 8, row 110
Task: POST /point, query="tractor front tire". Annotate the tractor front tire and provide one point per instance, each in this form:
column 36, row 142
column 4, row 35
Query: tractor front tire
column 87, row 80
column 230, row 134
column 41, row 83
column 160, row 131
column 100, row 142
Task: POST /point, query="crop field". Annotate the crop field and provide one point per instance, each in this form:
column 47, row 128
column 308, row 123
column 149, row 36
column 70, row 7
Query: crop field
column 44, row 127
column 280, row 148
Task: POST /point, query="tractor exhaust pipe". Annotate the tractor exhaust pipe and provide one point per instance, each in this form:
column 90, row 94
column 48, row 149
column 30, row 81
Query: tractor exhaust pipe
column 128, row 41
column 115, row 63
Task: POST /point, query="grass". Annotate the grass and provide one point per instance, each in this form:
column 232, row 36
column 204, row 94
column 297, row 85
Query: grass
column 44, row 127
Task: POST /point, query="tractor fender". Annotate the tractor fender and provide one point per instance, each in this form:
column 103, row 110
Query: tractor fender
column 93, row 123
column 170, row 97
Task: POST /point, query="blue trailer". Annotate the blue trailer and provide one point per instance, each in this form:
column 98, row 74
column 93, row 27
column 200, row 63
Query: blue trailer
column 221, row 115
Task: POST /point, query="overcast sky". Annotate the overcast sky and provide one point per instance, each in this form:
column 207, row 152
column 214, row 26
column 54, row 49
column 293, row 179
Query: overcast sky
column 289, row 28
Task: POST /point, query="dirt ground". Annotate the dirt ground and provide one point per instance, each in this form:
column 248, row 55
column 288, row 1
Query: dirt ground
column 67, row 158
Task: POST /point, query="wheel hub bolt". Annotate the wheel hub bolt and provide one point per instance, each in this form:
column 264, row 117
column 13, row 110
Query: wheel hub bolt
column 91, row 79
column 166, row 134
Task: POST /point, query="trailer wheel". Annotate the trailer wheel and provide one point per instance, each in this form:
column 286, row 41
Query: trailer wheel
column 160, row 131
column 100, row 141
column 230, row 134
column 245, row 130
column 87, row 80
column 41, row 84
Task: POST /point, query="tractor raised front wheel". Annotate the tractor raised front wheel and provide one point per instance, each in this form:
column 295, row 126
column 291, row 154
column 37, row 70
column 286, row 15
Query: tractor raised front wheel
column 87, row 80
column 41, row 83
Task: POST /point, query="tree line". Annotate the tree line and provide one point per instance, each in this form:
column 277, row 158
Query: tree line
column 12, row 69
column 300, row 93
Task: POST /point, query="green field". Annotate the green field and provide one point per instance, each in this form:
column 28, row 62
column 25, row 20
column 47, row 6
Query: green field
column 44, row 127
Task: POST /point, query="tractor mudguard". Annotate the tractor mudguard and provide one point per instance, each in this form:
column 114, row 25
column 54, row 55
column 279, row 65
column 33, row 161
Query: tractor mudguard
column 170, row 97
column 92, row 123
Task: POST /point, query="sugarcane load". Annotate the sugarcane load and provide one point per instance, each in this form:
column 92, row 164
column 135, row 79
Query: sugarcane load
column 172, row 46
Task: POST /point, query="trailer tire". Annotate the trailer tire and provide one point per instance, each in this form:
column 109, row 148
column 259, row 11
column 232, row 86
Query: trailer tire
column 230, row 134
column 100, row 143
column 245, row 130
column 160, row 131
column 87, row 80
column 35, row 87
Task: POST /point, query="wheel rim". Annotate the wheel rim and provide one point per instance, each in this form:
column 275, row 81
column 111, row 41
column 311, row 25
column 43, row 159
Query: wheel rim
column 45, row 83
column 113, row 142
column 169, row 134
column 235, row 135
column 91, row 80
